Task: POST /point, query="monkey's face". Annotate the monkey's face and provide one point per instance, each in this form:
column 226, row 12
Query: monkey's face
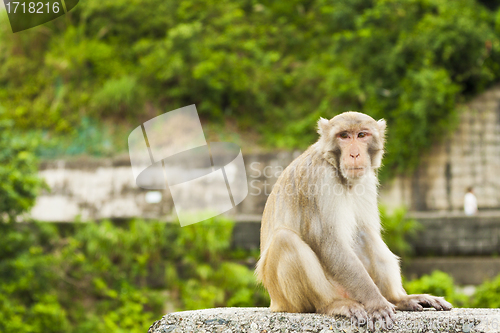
column 353, row 142
column 354, row 156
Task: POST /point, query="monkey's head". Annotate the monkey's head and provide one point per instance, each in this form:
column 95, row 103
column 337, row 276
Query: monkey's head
column 352, row 142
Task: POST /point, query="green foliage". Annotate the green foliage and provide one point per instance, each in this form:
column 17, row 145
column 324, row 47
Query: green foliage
column 102, row 277
column 397, row 230
column 19, row 181
column 205, row 241
column 487, row 295
column 438, row 284
column 88, row 137
column 118, row 96
column 270, row 67
column 211, row 282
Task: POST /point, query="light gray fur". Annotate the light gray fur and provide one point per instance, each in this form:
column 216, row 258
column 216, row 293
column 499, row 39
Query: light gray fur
column 321, row 244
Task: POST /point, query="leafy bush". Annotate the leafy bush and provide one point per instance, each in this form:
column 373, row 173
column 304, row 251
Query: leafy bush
column 487, row 295
column 19, row 181
column 102, row 277
column 397, row 230
column 118, row 96
column 409, row 61
column 437, row 284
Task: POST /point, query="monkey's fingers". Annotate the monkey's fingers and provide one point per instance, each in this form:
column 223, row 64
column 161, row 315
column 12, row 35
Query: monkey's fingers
column 359, row 316
column 381, row 319
column 418, row 302
column 437, row 303
column 389, row 320
column 348, row 308
column 376, row 321
column 391, row 314
column 430, row 303
column 370, row 325
column 409, row 304
column 446, row 305
column 375, row 324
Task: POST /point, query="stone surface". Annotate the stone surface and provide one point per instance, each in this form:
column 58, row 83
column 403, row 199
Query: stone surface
column 95, row 189
column 454, row 234
column 261, row 320
column 469, row 156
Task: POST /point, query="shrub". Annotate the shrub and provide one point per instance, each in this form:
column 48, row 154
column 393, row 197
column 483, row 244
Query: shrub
column 106, row 277
column 487, row 295
column 437, row 283
column 19, row 181
column 397, row 230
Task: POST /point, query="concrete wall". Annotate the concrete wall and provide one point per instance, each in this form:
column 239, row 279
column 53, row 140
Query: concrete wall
column 458, row 235
column 464, row 270
column 470, row 156
column 87, row 189
column 464, row 247
column 96, row 189
column 93, row 189
column 441, row 235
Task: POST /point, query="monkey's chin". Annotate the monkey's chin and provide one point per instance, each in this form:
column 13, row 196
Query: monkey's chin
column 354, row 173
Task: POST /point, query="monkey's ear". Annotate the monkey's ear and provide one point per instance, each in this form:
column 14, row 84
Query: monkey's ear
column 322, row 126
column 382, row 125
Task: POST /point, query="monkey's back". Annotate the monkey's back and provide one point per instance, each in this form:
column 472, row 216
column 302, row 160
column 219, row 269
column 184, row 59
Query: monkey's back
column 293, row 202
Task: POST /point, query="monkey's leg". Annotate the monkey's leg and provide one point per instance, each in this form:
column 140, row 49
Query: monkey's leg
column 383, row 267
column 296, row 281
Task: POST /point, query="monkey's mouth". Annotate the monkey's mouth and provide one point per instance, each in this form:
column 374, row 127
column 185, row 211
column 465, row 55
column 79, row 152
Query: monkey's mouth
column 355, row 172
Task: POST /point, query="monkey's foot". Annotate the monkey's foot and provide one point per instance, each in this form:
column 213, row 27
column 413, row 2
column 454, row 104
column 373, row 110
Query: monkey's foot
column 418, row 302
column 348, row 308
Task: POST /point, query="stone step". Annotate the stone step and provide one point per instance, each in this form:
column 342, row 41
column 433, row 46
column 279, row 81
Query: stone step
column 258, row 320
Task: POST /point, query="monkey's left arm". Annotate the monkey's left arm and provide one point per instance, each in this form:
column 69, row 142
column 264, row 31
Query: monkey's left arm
column 385, row 271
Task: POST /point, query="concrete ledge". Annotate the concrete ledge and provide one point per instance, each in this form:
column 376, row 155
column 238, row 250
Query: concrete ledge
column 261, row 320
column 464, row 270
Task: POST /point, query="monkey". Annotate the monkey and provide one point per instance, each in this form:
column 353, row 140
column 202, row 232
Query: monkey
column 321, row 244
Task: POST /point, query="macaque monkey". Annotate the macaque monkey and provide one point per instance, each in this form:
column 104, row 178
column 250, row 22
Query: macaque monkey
column 321, row 244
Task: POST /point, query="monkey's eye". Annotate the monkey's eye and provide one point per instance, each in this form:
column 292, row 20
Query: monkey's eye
column 361, row 134
column 344, row 135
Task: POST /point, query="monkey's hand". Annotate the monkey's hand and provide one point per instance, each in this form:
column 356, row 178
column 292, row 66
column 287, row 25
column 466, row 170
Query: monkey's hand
column 418, row 302
column 380, row 313
column 348, row 308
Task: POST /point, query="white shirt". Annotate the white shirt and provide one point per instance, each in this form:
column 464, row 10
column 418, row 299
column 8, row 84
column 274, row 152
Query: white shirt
column 470, row 204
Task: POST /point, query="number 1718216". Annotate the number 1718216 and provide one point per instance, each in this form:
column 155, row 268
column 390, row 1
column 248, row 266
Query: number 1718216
column 32, row 7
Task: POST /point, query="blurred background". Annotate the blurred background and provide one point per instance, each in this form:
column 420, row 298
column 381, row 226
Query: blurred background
column 83, row 249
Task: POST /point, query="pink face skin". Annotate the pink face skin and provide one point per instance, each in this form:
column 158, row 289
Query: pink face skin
column 355, row 160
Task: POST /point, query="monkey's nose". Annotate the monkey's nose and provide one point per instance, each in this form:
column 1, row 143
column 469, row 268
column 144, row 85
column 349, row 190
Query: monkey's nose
column 354, row 155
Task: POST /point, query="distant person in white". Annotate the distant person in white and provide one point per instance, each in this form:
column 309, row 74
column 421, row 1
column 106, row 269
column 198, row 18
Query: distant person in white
column 470, row 202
